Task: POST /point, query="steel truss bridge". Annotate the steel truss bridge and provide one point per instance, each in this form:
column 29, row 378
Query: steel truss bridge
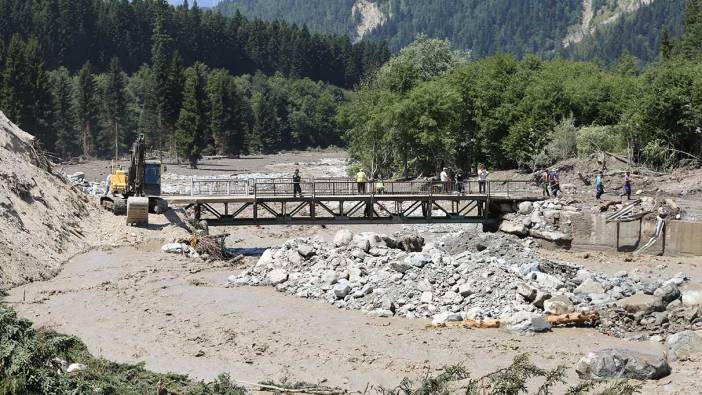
column 343, row 201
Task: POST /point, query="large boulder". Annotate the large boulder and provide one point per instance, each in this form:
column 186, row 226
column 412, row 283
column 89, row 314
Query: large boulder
column 641, row 303
column 683, row 344
column 513, row 228
column 343, row 237
column 341, row 289
column 306, row 250
column 558, row 304
column 667, row 292
column 547, row 280
column 526, row 291
column 524, row 321
column 277, row 276
column 445, row 317
column 550, row 235
column 525, row 208
column 614, row 363
column 589, row 286
column 692, row 297
column 264, row 261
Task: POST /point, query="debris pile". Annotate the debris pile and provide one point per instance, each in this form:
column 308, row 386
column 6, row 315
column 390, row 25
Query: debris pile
column 494, row 276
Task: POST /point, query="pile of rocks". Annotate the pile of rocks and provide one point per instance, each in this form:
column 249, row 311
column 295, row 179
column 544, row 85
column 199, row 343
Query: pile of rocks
column 655, row 313
column 549, row 220
column 495, row 276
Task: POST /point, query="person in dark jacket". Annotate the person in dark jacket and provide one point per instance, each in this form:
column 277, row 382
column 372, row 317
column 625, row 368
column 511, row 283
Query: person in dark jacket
column 296, row 183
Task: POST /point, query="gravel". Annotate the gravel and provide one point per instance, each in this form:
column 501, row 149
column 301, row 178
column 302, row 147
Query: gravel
column 466, row 275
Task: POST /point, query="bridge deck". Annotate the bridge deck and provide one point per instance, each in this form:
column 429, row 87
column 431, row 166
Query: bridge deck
column 231, row 202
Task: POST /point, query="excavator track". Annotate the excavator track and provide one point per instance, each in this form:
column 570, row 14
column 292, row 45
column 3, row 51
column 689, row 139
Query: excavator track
column 138, row 211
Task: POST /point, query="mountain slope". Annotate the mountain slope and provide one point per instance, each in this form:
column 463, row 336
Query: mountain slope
column 549, row 28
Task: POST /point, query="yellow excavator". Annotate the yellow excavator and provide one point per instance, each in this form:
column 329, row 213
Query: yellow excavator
column 137, row 192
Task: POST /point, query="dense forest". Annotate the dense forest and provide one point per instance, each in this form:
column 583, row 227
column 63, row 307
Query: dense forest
column 72, row 32
column 431, row 108
column 86, row 76
column 639, row 34
column 490, row 27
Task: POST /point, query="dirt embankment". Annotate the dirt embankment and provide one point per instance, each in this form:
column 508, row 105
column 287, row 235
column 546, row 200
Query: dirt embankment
column 43, row 220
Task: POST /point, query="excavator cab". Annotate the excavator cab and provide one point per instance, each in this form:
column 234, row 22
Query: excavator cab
column 136, row 193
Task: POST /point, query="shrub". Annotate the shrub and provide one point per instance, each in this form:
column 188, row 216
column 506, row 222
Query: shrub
column 593, row 139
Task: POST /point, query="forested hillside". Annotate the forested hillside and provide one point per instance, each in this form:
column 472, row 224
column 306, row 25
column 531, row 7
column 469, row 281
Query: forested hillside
column 587, row 29
column 85, row 76
column 429, row 107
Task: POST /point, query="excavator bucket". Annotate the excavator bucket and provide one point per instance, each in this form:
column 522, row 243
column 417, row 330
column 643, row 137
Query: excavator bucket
column 138, row 211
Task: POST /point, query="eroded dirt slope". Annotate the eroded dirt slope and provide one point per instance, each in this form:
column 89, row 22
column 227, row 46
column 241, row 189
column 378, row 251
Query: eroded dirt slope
column 43, row 220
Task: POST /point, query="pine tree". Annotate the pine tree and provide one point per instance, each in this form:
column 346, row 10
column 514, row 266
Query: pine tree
column 114, row 110
column 191, row 128
column 666, row 46
column 14, row 81
column 64, row 119
column 266, row 130
column 173, row 98
column 226, row 119
column 87, row 109
column 37, row 96
column 161, row 63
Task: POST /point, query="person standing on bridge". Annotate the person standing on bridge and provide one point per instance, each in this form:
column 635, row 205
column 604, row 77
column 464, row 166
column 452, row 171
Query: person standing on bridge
column 361, row 180
column 296, row 183
column 482, row 178
column 445, row 180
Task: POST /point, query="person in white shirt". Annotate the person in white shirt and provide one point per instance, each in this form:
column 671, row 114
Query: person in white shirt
column 445, row 180
column 482, row 179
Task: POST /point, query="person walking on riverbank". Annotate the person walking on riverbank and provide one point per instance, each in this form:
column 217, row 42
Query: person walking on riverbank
column 361, row 180
column 627, row 186
column 554, row 182
column 482, row 178
column 599, row 186
column 544, row 183
column 296, row 183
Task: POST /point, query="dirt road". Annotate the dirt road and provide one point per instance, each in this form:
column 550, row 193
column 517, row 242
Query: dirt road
column 176, row 314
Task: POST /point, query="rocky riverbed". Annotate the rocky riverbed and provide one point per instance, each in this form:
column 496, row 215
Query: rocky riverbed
column 493, row 276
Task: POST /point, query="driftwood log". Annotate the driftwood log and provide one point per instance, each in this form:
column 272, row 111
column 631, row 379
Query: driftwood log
column 572, row 319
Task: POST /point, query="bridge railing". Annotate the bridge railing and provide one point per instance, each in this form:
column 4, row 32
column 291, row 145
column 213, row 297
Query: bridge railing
column 346, row 187
column 219, row 187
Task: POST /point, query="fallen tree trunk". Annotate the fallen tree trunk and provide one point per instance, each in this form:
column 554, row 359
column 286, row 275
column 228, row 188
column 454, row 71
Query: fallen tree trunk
column 571, row 319
column 574, row 319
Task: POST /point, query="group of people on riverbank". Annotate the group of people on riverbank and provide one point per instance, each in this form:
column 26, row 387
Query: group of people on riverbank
column 600, row 188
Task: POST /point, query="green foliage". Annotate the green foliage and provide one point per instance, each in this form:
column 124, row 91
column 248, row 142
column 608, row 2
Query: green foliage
column 594, row 139
column 86, row 109
column 420, row 61
column 518, row 378
column 486, row 28
column 64, row 120
column 226, row 114
column 139, row 32
column 192, row 121
column 506, row 113
column 114, row 134
column 30, row 363
column 562, row 142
